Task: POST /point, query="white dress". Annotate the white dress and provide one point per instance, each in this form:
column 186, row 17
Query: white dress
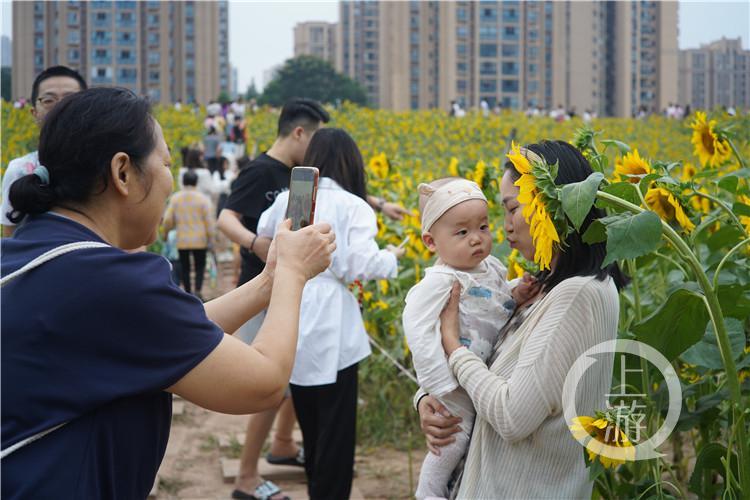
column 331, row 331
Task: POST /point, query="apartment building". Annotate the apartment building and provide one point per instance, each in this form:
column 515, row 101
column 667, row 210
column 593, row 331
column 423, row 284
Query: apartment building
column 609, row 57
column 716, row 74
column 169, row 51
column 316, row 38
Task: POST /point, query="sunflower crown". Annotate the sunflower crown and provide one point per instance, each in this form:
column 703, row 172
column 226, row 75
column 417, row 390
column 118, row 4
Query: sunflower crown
column 543, row 209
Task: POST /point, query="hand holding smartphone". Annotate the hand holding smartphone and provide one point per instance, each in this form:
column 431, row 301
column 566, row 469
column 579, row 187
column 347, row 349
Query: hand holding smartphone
column 303, row 190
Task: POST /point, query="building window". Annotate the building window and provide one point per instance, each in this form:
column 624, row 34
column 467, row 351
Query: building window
column 533, row 52
column 488, row 32
column 462, row 32
column 461, row 14
column 532, row 69
column 154, row 57
column 510, row 85
column 532, row 86
column 74, row 55
column 488, row 85
column 461, row 86
column 488, row 50
column 461, row 49
column 72, row 18
column 488, row 68
column 39, row 41
column 153, row 38
column 101, row 56
column 127, row 75
column 461, row 67
column 510, row 68
column 510, row 14
column 509, row 50
column 125, row 38
column 510, row 33
column 488, row 14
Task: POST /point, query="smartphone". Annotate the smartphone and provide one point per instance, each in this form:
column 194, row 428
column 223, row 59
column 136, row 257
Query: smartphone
column 303, row 189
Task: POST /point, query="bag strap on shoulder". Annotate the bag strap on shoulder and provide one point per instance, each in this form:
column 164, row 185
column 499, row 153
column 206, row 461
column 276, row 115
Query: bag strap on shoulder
column 45, row 257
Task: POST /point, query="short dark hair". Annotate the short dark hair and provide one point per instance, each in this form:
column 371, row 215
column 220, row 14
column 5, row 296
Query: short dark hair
column 190, row 178
column 576, row 258
column 52, row 72
column 337, row 156
column 301, row 112
column 78, row 139
column 193, row 158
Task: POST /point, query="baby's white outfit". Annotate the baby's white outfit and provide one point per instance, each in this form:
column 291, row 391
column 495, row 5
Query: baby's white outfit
column 485, row 305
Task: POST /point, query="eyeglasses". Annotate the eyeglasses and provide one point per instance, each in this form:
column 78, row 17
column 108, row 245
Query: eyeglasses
column 48, row 101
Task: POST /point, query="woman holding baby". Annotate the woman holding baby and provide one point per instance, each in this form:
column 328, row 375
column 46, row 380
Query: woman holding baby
column 520, row 446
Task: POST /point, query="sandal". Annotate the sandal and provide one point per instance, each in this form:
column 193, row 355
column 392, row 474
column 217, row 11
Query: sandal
column 263, row 491
column 297, row 460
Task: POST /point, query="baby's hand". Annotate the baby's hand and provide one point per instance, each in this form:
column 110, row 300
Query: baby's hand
column 527, row 288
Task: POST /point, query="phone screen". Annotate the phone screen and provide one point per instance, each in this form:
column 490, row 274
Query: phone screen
column 302, row 192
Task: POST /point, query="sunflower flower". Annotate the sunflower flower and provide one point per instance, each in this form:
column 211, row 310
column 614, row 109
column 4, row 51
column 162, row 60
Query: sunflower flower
column 514, row 268
column 603, row 433
column 745, row 219
column 479, row 171
column 631, row 165
column 379, row 165
column 709, row 147
column 664, row 203
column 542, row 228
column 453, row 167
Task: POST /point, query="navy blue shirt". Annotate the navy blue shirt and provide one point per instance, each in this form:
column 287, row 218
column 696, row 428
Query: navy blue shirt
column 91, row 338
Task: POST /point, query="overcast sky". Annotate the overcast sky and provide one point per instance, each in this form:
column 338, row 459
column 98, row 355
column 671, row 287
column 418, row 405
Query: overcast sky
column 261, row 31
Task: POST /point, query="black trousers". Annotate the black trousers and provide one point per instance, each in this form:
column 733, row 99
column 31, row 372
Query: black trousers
column 327, row 415
column 199, row 257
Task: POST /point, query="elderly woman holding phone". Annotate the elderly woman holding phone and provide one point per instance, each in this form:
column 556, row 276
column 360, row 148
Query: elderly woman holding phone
column 96, row 339
column 521, row 446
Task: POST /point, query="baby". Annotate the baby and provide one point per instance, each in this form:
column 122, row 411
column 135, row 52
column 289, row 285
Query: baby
column 455, row 225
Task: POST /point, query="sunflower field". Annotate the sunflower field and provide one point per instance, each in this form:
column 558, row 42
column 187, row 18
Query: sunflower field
column 677, row 198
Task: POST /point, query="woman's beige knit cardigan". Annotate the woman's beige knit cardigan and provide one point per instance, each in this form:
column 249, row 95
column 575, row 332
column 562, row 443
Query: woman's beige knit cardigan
column 521, row 446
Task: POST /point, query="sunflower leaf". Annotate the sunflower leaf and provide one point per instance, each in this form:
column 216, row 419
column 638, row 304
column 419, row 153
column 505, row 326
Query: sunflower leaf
column 740, row 208
column 625, row 190
column 578, row 197
column 624, row 148
column 632, row 236
column 675, row 326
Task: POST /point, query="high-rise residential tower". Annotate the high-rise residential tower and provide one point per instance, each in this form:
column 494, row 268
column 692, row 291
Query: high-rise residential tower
column 609, row 57
column 716, row 74
column 167, row 50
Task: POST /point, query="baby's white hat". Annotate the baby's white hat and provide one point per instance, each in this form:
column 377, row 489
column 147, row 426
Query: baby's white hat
column 441, row 199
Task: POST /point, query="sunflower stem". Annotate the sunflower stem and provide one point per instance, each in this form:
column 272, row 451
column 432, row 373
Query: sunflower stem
column 724, row 260
column 724, row 207
column 720, row 330
column 737, row 154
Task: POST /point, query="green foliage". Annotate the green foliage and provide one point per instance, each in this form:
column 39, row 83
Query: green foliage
column 308, row 76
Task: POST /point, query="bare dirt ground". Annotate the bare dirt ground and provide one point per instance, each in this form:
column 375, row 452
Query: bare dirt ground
column 200, row 440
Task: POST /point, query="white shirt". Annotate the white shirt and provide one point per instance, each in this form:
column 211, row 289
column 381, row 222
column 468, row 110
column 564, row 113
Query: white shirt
column 484, row 307
column 332, row 334
column 17, row 168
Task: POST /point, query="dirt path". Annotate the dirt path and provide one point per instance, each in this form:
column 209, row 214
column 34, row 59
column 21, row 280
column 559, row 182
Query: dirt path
column 201, row 439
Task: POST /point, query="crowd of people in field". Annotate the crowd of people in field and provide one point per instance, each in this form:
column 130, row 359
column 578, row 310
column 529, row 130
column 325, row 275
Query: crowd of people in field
column 98, row 332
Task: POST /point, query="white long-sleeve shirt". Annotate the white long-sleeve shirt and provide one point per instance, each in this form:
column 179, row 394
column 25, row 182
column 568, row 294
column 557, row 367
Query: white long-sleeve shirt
column 331, row 331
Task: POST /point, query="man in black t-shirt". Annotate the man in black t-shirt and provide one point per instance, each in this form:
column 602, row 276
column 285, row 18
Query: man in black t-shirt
column 257, row 186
